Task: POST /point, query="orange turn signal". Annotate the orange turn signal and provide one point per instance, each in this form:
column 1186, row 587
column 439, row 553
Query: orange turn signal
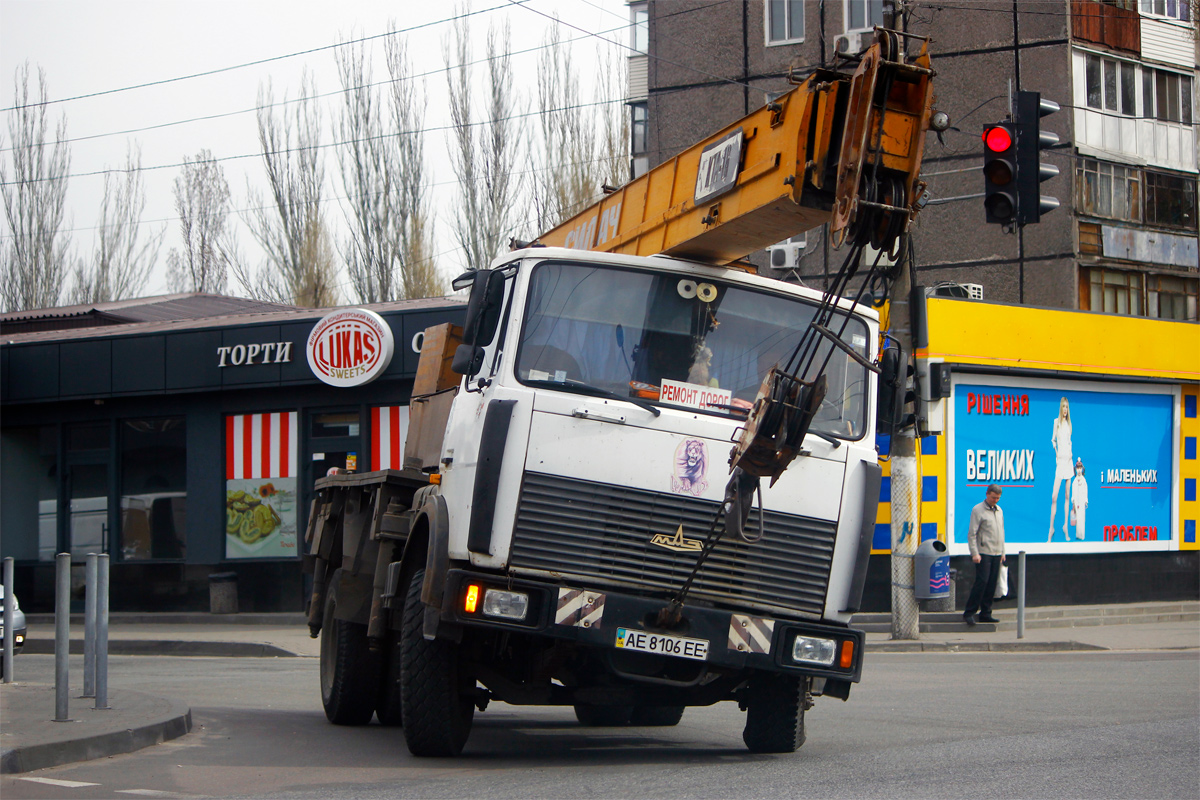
column 435, row 478
column 847, row 659
column 472, row 600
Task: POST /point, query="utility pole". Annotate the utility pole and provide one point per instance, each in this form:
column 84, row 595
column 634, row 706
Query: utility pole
column 906, row 496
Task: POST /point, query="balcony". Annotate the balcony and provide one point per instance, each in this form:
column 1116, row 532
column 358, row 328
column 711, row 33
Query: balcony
column 1108, row 25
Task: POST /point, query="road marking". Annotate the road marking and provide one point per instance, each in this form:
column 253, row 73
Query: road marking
column 57, row 782
column 153, row 793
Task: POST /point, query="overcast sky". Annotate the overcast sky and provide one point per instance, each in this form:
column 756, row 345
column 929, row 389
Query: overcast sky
column 93, row 48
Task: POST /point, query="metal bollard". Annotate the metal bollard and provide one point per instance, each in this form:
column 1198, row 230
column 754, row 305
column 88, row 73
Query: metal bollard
column 102, row 632
column 9, row 616
column 89, row 627
column 1021, row 595
column 62, row 635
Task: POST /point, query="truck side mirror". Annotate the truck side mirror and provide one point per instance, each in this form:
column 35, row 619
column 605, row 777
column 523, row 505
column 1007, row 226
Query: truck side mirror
column 892, row 375
column 483, row 317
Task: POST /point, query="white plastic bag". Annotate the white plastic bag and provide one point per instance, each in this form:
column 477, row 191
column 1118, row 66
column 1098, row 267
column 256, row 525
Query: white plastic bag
column 1002, row 582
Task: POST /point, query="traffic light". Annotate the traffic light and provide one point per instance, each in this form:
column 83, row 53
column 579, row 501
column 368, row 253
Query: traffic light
column 1031, row 140
column 1000, row 172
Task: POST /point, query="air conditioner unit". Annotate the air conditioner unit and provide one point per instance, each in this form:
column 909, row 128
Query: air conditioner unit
column 786, row 254
column 964, row 291
column 848, row 44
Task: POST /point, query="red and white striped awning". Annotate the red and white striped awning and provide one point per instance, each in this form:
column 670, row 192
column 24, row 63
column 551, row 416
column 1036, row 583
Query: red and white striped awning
column 389, row 429
column 260, row 445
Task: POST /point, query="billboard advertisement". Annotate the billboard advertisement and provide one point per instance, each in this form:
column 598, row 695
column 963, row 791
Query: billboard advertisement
column 1083, row 468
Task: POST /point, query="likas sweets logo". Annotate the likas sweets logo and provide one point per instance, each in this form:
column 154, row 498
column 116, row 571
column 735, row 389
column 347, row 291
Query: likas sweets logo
column 350, row 347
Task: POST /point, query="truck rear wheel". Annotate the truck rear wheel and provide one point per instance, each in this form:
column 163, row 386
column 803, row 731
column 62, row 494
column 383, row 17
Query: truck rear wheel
column 774, row 714
column 349, row 670
column 656, row 716
column 434, row 691
column 603, row 716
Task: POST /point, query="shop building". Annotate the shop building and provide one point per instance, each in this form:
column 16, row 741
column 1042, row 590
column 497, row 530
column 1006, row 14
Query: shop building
column 182, row 435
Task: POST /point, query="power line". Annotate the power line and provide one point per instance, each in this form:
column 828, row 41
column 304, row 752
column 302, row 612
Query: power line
column 262, row 61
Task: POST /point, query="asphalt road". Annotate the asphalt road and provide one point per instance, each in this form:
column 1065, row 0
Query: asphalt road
column 1062, row 725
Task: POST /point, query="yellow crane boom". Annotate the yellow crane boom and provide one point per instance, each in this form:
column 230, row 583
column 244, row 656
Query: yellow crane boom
column 844, row 149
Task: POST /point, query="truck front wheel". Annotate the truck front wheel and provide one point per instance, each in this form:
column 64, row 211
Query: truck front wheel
column 435, row 693
column 349, row 670
column 774, row 714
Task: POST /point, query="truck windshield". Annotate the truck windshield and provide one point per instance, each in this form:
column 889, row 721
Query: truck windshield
column 679, row 340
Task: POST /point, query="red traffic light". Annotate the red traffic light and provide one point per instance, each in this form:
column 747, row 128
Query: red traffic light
column 997, row 139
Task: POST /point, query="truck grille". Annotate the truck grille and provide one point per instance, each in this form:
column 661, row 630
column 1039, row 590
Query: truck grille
column 602, row 533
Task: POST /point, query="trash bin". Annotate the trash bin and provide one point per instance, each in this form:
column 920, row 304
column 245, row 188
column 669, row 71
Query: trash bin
column 931, row 571
column 222, row 593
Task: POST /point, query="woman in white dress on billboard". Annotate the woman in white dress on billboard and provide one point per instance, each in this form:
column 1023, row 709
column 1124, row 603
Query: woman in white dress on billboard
column 1064, row 466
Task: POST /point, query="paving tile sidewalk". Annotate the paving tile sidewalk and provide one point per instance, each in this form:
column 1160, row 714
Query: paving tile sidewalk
column 29, row 739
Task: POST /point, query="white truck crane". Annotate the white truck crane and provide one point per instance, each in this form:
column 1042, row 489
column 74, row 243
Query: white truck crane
column 581, row 520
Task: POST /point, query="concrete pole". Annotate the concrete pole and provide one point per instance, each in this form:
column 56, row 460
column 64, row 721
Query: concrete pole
column 1021, row 595
column 102, row 632
column 62, row 636
column 906, row 490
column 89, row 627
column 9, row 616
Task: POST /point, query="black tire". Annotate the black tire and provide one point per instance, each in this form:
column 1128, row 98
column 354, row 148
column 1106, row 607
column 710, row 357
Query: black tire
column 435, row 693
column 349, row 670
column 388, row 707
column 774, row 714
column 656, row 716
column 603, row 716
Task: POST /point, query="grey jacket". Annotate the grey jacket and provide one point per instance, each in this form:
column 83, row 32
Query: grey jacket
column 985, row 535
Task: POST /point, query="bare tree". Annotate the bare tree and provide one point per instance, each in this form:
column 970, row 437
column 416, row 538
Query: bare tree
column 299, row 268
column 35, row 256
column 484, row 155
column 202, row 202
column 387, row 253
column 581, row 146
column 123, row 258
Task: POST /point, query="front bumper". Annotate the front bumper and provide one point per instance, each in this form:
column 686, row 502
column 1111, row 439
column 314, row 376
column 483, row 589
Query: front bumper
column 18, row 640
column 593, row 618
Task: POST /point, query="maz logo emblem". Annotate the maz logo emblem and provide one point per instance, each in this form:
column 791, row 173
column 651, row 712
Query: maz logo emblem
column 677, row 542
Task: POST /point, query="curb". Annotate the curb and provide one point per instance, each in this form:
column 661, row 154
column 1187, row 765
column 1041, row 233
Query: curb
column 168, row 647
column 101, row 745
column 978, row 647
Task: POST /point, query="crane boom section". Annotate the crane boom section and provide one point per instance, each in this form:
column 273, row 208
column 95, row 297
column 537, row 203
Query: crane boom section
column 838, row 148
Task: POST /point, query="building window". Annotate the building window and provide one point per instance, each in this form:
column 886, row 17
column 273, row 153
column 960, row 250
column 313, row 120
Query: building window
column 637, row 128
column 863, row 14
column 1115, row 292
column 785, row 21
column 1175, row 9
column 1170, row 200
column 1108, row 190
column 639, row 28
column 1166, row 96
column 153, row 488
column 260, row 477
column 1170, row 297
column 1110, row 85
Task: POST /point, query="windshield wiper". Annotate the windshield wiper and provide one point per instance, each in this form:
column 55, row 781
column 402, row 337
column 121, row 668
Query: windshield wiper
column 595, row 391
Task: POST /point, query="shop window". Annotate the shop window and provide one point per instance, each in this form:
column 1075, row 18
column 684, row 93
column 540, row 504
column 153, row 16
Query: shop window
column 1108, row 190
column 1171, row 200
column 1172, row 297
column 343, row 424
column 29, row 492
column 260, row 484
column 785, row 21
column 153, row 488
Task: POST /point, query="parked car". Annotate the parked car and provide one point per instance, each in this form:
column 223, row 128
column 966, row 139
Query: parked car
column 18, row 624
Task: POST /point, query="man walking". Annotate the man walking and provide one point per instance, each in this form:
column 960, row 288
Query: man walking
column 985, row 537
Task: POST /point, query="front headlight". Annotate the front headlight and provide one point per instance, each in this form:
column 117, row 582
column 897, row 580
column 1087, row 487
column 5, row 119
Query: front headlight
column 811, row 650
column 504, row 604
